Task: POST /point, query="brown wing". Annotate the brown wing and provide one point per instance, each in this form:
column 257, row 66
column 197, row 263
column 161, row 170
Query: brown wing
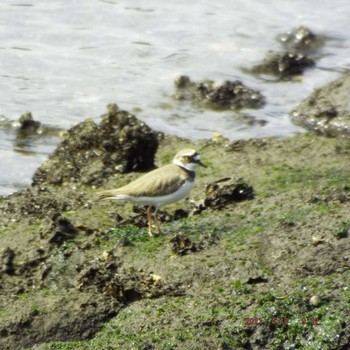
column 158, row 182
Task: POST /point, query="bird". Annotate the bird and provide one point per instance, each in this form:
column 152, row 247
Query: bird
column 157, row 188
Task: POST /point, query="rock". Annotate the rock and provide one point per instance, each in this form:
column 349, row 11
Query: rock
column 228, row 95
column 284, row 65
column 315, row 300
column 181, row 245
column 61, row 230
column 226, row 191
column 29, row 128
column 28, row 125
column 326, row 111
column 7, row 257
column 218, row 138
column 301, row 39
column 90, row 153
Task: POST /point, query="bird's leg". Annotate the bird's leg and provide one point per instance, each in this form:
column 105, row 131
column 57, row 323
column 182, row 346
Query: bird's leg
column 156, row 220
column 149, row 212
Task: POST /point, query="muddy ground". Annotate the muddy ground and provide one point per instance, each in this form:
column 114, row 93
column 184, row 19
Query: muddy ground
column 260, row 261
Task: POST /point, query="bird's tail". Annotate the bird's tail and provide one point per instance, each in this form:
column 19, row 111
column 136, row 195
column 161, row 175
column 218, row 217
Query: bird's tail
column 103, row 195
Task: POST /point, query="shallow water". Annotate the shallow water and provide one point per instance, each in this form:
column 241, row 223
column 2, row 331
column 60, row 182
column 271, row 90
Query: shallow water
column 66, row 60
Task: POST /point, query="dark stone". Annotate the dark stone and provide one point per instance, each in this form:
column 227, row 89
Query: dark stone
column 90, row 153
column 326, row 111
column 181, row 245
column 229, row 95
column 301, row 39
column 7, row 258
column 62, row 230
column 284, row 65
column 257, row 279
column 180, row 214
column 226, row 191
column 28, row 125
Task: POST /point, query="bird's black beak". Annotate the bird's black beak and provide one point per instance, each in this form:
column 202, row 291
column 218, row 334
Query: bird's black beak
column 201, row 164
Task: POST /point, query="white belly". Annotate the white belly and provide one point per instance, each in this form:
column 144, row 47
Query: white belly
column 160, row 201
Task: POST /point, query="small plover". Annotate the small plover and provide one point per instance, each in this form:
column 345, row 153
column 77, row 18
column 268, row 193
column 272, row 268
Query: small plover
column 161, row 186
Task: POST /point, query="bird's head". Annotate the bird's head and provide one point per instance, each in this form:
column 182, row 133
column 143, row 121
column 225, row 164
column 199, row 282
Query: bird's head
column 188, row 158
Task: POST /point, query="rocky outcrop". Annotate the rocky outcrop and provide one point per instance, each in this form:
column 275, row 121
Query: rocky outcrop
column 327, row 110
